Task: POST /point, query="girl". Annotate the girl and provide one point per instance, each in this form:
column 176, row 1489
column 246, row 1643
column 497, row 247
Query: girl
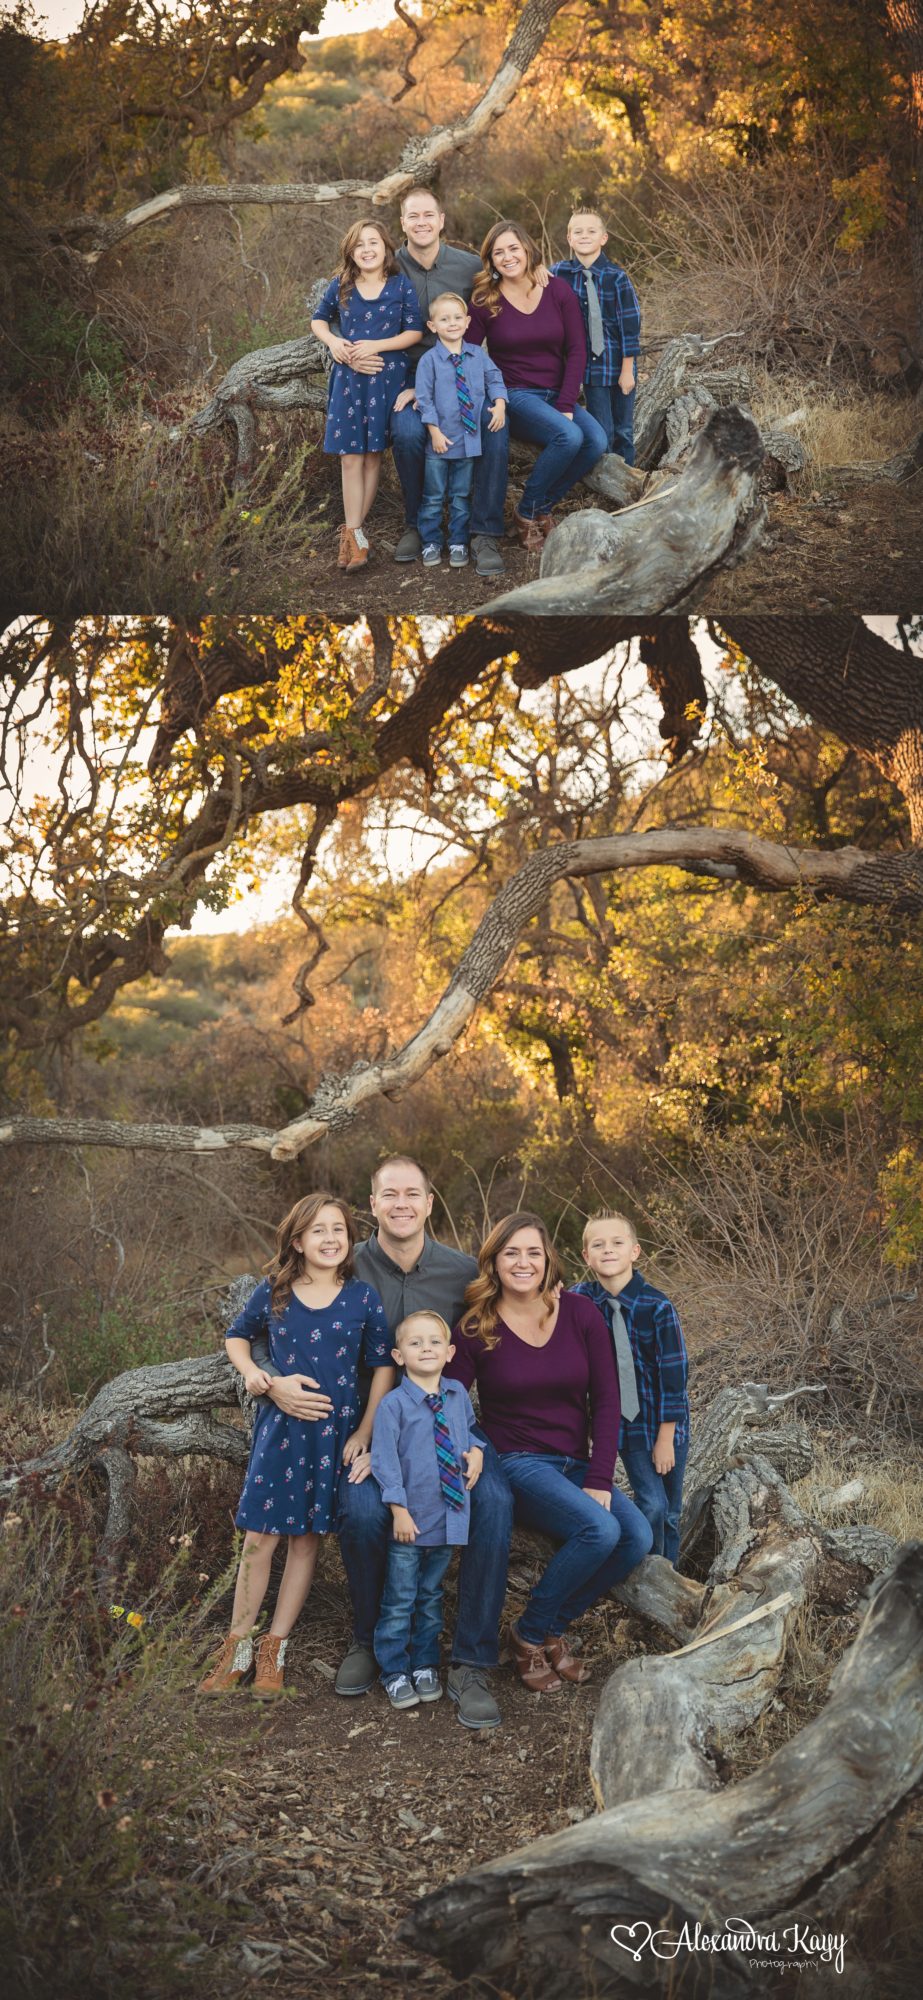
column 321, row 1321
column 543, row 1363
column 534, row 333
column 378, row 315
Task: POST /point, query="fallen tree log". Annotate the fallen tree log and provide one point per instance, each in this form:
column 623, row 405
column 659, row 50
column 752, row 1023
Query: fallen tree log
column 577, row 1911
column 659, row 554
column 899, row 468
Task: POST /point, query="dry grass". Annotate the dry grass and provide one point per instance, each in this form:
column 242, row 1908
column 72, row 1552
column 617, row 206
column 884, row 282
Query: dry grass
column 836, row 426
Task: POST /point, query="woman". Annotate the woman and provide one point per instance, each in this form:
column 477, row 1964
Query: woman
column 534, row 333
column 543, row 1362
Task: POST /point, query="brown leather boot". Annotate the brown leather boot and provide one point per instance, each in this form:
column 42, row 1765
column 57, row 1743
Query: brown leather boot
column 344, row 551
column 565, row 1662
column 529, row 533
column 355, row 548
column 270, row 1661
column 233, row 1664
column 532, row 1665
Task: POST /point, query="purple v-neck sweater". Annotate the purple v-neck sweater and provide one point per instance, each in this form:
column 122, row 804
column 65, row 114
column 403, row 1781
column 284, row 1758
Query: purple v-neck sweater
column 555, row 1398
column 545, row 349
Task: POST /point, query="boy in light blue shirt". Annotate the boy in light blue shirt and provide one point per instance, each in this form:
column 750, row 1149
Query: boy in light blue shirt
column 453, row 381
column 426, row 1459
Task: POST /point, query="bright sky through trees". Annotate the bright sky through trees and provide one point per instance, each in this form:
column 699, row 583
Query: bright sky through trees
column 341, row 17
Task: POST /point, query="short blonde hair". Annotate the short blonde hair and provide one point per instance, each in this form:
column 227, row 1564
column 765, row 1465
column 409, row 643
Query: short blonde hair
column 594, row 212
column 423, row 1312
column 609, row 1215
column 447, row 298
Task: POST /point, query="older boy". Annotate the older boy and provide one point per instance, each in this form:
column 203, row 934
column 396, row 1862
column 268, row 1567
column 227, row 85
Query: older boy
column 612, row 321
column 454, row 382
column 650, row 1355
column 426, row 1459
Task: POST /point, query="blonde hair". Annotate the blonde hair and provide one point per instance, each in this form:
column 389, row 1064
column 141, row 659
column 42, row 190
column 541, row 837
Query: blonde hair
column 288, row 1262
column 608, row 1215
column 594, row 212
column 423, row 1312
column 443, row 298
column 487, row 283
column 480, row 1316
column 349, row 269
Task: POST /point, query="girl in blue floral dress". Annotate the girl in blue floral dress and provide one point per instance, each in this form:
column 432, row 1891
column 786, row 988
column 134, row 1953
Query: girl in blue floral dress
column 379, row 317
column 322, row 1322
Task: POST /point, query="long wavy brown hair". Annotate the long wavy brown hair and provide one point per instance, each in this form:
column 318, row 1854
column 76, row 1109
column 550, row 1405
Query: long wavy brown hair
column 482, row 1296
column 288, row 1263
column 349, row 269
column 487, row 284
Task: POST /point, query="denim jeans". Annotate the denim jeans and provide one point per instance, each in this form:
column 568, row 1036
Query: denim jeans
column 616, row 412
column 367, row 1532
column 410, row 1619
column 659, row 1495
column 597, row 1550
column 408, row 443
column 451, row 480
column 571, row 447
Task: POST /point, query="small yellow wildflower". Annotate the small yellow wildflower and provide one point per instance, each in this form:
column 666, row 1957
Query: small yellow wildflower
column 134, row 1618
column 117, row 1610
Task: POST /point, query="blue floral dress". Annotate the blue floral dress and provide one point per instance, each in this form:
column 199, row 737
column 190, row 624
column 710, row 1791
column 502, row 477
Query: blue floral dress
column 291, row 1482
column 359, row 406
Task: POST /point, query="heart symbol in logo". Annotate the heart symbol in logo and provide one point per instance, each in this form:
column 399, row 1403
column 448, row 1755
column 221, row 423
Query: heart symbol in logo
column 626, row 1942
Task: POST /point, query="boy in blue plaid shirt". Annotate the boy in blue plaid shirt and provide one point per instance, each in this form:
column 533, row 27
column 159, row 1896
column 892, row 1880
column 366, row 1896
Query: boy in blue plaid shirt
column 612, row 318
column 652, row 1363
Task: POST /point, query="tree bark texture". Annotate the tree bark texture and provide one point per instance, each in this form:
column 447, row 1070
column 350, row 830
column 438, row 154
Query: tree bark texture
column 777, row 1849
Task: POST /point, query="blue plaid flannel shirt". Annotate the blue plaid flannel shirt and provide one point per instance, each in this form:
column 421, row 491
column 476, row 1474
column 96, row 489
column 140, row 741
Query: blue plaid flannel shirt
column 620, row 308
column 661, row 1361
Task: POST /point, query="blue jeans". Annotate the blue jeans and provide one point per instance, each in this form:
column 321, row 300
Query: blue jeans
column 571, row 447
column 659, row 1495
column 408, row 443
column 410, row 1619
column 367, row 1532
column 451, row 480
column 616, row 412
column 597, row 1550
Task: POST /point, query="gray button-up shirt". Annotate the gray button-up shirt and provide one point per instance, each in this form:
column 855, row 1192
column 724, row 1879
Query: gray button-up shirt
column 405, row 1465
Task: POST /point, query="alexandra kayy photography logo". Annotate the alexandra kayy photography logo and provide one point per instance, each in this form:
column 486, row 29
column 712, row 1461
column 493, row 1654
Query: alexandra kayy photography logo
column 797, row 1947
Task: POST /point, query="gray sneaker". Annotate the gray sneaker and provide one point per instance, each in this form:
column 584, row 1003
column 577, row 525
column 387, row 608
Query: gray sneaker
column 467, row 1687
column 357, row 1672
column 432, row 556
column 408, row 547
column 401, row 1692
column 487, row 558
column 427, row 1683
column 458, row 555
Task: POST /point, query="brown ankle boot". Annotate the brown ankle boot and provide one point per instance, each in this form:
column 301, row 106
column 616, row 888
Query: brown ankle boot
column 232, row 1665
column 355, row 549
column 532, row 1665
column 565, row 1662
column 344, row 551
column 529, row 533
column 270, row 1661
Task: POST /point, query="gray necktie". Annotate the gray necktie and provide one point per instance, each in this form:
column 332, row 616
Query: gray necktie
column 628, row 1387
column 597, row 340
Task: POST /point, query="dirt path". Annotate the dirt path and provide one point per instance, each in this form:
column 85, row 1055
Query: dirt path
column 340, row 1814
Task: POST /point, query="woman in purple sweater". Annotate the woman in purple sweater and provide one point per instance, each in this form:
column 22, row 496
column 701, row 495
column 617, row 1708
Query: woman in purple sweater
column 535, row 335
column 549, row 1396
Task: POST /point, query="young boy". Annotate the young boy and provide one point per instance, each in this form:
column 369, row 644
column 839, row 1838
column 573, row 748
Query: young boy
column 651, row 1357
column 612, row 318
column 426, row 1460
column 453, row 381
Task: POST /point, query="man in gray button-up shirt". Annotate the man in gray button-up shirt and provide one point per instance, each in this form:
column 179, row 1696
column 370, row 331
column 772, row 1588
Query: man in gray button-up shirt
column 411, row 1272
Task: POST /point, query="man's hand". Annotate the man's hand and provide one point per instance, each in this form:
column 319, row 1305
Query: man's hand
column 405, row 1527
column 438, row 439
column 497, row 415
column 404, row 400
column 299, row 1396
column 474, row 1463
column 601, row 1493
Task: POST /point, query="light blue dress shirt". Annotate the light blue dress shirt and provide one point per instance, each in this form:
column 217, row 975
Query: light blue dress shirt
column 404, row 1459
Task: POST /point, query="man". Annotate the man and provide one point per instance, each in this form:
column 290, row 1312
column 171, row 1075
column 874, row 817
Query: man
column 411, row 1272
column 433, row 267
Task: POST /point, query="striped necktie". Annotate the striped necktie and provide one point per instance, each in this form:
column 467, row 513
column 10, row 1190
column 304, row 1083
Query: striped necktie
column 450, row 1479
column 465, row 404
